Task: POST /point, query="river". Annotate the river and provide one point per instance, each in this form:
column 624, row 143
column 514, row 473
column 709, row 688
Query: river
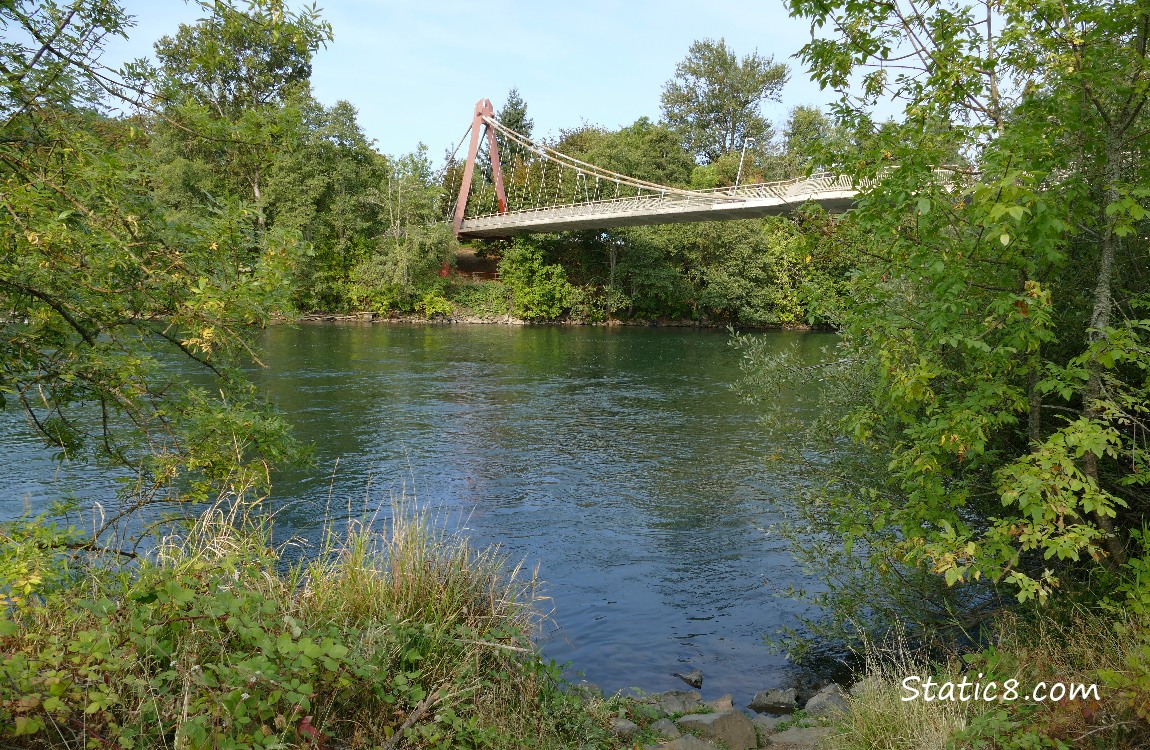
column 616, row 459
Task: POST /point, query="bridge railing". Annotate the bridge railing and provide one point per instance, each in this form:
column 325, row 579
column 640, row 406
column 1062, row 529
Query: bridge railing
column 791, row 190
column 608, row 205
column 795, row 188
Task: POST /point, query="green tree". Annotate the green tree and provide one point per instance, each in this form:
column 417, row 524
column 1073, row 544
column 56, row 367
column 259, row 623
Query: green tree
column 106, row 292
column 811, row 141
column 539, row 291
column 513, row 114
column 644, row 150
column 407, row 267
column 715, row 98
column 1001, row 320
column 324, row 184
column 226, row 83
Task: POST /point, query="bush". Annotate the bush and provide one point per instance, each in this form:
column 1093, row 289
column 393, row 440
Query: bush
column 485, row 299
column 215, row 642
column 538, row 291
column 432, row 304
column 402, row 273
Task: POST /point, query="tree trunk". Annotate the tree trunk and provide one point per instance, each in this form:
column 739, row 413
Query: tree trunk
column 1099, row 320
column 261, row 222
column 1034, row 401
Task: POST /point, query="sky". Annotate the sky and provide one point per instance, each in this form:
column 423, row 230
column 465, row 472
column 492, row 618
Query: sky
column 415, row 68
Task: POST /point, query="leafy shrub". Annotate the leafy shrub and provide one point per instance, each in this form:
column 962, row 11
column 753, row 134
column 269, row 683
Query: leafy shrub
column 588, row 303
column 403, row 272
column 214, row 642
column 486, row 299
column 538, row 291
column 432, row 304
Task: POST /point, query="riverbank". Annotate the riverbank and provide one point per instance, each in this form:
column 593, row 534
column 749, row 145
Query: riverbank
column 211, row 640
column 510, row 320
column 413, row 638
column 406, row 637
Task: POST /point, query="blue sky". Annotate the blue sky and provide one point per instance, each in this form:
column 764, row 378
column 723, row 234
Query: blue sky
column 415, row 69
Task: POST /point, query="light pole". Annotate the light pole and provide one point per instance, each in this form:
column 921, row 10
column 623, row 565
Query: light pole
column 742, row 156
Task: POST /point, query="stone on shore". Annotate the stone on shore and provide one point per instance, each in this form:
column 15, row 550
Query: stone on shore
column 694, row 678
column 773, row 701
column 666, row 728
column 726, row 703
column 586, row 690
column 766, row 724
column 732, row 728
column 798, row 738
column 828, row 701
column 624, row 728
column 647, row 712
column 678, row 701
column 867, row 685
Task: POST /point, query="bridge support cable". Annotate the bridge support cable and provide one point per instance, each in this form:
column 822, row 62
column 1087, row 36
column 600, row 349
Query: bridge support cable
column 510, row 178
column 537, row 188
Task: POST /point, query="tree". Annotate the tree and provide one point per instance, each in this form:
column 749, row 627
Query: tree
column 643, row 150
column 107, row 294
column 404, row 271
column 811, row 140
column 1001, row 321
column 322, row 184
column 513, row 114
column 226, row 83
column 714, row 99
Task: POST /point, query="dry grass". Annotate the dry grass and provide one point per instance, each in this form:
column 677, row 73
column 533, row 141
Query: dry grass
column 881, row 720
column 1078, row 646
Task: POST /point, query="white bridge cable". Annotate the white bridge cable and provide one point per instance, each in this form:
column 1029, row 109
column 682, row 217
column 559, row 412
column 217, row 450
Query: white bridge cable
column 581, row 166
column 446, row 176
column 647, row 196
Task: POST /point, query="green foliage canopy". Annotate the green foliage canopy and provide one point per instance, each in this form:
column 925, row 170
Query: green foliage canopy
column 714, row 99
column 105, row 292
column 1001, row 325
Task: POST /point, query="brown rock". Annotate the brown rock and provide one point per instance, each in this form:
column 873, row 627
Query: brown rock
column 799, row 738
column 732, row 728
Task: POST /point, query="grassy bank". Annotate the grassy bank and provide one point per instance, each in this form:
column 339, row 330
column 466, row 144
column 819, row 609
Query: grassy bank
column 408, row 638
column 1103, row 653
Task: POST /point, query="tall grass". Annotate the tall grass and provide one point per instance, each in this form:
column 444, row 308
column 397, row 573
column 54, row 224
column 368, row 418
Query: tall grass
column 881, row 720
column 1076, row 645
column 407, row 638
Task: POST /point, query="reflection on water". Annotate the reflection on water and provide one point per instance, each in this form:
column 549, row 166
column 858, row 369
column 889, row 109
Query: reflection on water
column 616, row 459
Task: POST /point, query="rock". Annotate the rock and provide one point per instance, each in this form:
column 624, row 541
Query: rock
column 774, row 701
column 799, row 738
column 694, row 678
column 732, row 728
column 624, row 728
column 666, row 728
column 689, row 742
column 830, row 700
column 678, row 701
column 726, row 703
column 766, row 724
column 870, row 684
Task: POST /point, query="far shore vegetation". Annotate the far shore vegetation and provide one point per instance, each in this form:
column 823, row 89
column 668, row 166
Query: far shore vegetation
column 990, row 289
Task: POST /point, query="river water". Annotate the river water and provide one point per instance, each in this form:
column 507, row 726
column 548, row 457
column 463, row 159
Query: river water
column 616, row 459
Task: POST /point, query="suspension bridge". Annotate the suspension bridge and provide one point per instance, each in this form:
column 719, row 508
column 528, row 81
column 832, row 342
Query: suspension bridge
column 535, row 188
